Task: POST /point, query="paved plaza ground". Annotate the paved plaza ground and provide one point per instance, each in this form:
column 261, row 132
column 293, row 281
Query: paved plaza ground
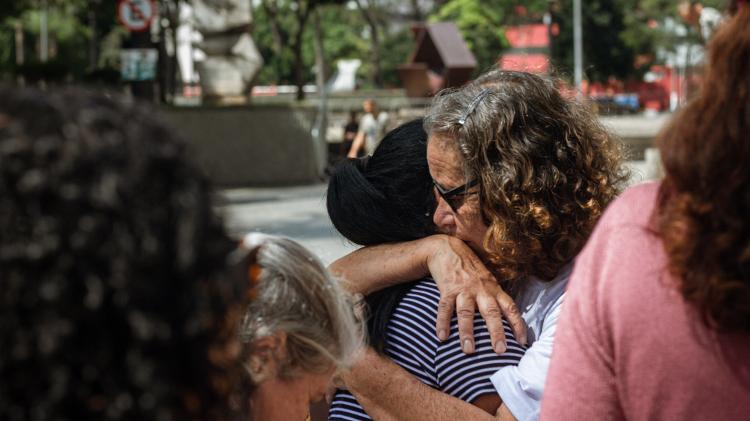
column 296, row 212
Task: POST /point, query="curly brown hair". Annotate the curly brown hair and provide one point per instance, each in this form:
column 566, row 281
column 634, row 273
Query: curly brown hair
column 704, row 204
column 547, row 168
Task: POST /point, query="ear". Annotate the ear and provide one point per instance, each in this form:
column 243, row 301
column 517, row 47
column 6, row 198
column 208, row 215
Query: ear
column 265, row 358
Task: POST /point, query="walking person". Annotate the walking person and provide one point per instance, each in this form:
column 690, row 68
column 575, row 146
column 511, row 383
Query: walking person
column 372, row 127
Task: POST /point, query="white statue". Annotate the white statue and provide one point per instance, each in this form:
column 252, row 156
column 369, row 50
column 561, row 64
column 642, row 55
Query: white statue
column 231, row 59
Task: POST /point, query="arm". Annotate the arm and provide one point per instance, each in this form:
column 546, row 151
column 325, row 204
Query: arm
column 523, row 386
column 359, row 141
column 399, row 395
column 465, row 283
column 583, row 362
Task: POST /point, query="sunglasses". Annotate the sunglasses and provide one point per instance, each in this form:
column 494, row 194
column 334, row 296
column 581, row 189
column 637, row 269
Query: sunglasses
column 455, row 197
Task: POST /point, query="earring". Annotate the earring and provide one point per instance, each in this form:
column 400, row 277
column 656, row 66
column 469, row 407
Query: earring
column 258, row 369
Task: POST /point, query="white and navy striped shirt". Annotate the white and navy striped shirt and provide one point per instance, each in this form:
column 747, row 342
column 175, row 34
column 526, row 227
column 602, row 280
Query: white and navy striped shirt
column 411, row 343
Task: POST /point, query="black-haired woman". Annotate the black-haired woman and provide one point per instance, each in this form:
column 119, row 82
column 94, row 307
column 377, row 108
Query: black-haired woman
column 387, row 198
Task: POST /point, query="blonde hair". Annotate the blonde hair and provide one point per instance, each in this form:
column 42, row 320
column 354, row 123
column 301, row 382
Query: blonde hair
column 295, row 294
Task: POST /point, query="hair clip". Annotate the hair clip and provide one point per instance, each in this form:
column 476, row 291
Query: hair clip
column 473, row 105
column 253, row 275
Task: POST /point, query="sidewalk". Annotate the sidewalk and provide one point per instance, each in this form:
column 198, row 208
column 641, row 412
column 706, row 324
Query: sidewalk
column 298, row 212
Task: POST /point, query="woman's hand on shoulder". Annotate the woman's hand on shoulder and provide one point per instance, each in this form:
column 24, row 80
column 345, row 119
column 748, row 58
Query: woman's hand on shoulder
column 466, row 285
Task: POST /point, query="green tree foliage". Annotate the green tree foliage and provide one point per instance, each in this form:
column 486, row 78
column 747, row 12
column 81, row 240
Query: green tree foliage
column 70, row 29
column 605, row 52
column 620, row 37
column 344, row 37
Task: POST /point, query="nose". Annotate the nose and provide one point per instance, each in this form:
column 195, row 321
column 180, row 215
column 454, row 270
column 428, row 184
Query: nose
column 443, row 217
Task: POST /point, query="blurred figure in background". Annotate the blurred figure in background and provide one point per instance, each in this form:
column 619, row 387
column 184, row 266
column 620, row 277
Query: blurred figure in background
column 657, row 322
column 114, row 299
column 298, row 329
column 372, row 127
column 350, row 132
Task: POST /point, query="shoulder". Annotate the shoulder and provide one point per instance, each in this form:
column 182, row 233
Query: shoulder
column 633, row 207
column 421, row 301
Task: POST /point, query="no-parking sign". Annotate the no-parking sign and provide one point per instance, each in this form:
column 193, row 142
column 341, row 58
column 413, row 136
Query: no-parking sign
column 136, row 15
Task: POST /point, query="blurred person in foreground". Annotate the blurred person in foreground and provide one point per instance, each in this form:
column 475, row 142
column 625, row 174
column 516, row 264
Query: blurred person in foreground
column 371, row 129
column 115, row 302
column 657, row 322
column 384, row 198
column 520, row 175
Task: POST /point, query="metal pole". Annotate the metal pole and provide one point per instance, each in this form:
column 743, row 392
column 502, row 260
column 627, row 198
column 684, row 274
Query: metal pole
column 577, row 44
column 43, row 35
column 19, row 43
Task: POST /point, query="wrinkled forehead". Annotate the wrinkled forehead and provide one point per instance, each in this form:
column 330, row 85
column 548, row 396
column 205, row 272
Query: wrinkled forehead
column 445, row 161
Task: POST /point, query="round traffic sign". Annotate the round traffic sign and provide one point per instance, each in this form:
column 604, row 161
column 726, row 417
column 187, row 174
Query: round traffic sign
column 136, row 15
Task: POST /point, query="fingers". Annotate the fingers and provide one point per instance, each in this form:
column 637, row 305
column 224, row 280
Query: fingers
column 465, row 309
column 444, row 316
column 492, row 315
column 513, row 315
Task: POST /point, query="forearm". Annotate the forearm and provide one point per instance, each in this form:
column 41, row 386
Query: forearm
column 376, row 267
column 359, row 140
column 387, row 390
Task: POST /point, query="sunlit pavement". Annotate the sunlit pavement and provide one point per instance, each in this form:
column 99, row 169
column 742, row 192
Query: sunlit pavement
column 296, row 212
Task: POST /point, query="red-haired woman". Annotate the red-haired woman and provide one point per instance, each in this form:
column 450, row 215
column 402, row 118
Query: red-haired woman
column 656, row 325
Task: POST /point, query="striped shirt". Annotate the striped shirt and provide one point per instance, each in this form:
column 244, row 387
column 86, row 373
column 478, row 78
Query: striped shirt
column 411, row 343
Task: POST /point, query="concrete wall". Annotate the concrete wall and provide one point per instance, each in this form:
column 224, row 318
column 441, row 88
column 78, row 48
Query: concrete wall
column 251, row 145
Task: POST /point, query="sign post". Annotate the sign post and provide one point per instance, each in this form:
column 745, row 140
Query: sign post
column 139, row 58
column 136, row 15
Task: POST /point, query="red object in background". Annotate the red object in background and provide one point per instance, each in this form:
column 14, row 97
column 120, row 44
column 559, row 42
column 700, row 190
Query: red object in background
column 532, row 63
column 529, row 47
column 528, row 36
column 136, row 15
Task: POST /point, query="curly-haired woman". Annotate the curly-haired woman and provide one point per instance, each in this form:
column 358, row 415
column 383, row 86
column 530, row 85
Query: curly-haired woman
column 114, row 301
column 388, row 197
column 657, row 324
column 521, row 175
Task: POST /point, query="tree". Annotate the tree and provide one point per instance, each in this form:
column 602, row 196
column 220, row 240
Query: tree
column 291, row 37
column 620, row 37
column 73, row 26
column 371, row 16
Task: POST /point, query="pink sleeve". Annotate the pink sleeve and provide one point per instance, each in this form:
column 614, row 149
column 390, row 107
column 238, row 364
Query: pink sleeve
column 581, row 382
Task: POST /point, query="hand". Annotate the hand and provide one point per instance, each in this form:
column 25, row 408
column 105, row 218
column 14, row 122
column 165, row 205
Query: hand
column 465, row 284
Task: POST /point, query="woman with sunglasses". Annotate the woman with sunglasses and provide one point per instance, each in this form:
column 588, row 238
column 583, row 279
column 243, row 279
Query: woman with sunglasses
column 385, row 198
column 521, row 175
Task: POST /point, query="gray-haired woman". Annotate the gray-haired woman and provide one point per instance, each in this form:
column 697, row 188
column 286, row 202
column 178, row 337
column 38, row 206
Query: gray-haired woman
column 521, row 174
column 297, row 330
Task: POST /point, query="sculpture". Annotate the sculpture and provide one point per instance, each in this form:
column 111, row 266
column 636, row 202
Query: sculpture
column 231, row 59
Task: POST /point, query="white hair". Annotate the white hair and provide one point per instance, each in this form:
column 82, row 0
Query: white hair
column 296, row 295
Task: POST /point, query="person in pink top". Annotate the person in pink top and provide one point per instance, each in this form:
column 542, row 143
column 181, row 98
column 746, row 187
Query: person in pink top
column 656, row 325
